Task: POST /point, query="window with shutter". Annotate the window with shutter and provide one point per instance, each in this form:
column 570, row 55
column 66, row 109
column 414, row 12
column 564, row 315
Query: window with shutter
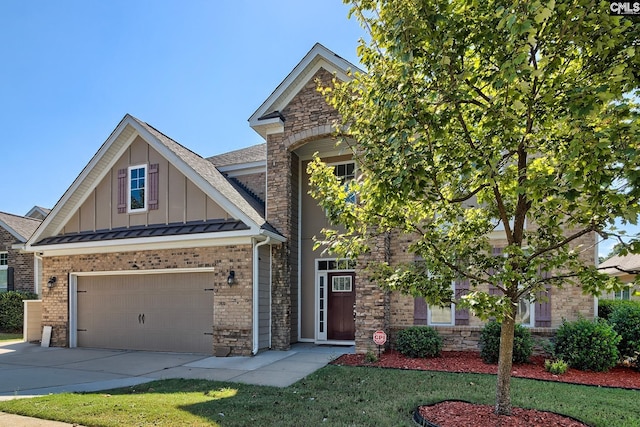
column 122, row 190
column 153, row 186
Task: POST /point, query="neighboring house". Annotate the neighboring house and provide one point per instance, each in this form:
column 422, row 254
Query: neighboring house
column 154, row 247
column 17, row 266
column 38, row 212
column 626, row 268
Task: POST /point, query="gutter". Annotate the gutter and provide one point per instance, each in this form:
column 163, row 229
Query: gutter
column 256, row 294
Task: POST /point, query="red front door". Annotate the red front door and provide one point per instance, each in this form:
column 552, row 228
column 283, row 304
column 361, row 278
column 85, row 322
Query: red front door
column 341, row 323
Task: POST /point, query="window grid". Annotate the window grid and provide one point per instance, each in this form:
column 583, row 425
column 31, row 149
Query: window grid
column 137, row 187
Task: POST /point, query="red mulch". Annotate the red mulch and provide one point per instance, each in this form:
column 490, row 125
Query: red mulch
column 454, row 413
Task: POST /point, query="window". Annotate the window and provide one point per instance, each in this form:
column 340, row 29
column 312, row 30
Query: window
column 137, row 187
column 346, row 172
column 341, row 284
column 4, row 265
column 623, row 294
column 524, row 314
column 442, row 315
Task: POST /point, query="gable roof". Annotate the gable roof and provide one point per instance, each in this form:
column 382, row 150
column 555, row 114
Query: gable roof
column 37, row 210
column 255, row 153
column 199, row 170
column 619, row 265
column 18, row 226
column 267, row 117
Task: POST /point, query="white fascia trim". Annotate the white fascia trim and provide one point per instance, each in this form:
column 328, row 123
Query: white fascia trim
column 95, row 160
column 275, row 236
column 267, row 127
column 148, row 243
column 333, row 63
column 244, row 168
column 204, row 185
column 11, row 231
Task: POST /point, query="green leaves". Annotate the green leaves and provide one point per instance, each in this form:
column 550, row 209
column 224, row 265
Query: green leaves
column 505, row 121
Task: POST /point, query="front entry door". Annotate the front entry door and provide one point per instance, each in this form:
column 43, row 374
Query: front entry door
column 341, row 323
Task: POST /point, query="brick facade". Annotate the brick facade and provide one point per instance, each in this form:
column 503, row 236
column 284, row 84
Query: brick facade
column 22, row 263
column 232, row 323
column 306, row 117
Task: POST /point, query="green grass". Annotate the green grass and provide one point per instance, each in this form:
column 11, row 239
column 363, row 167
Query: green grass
column 10, row 337
column 333, row 396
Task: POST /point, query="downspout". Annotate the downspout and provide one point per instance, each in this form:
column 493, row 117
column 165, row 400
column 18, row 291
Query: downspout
column 37, row 261
column 256, row 293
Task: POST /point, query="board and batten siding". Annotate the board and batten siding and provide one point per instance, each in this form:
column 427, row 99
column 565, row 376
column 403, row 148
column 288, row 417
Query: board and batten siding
column 178, row 199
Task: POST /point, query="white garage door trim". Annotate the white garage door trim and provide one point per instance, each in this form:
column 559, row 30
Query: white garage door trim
column 73, row 288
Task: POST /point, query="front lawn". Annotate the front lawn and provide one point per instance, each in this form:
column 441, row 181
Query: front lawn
column 333, row 396
column 4, row 337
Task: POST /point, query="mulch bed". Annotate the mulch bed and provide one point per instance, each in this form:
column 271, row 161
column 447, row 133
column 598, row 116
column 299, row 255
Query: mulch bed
column 457, row 413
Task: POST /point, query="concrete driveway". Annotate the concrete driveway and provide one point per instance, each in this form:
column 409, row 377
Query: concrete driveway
column 30, row 370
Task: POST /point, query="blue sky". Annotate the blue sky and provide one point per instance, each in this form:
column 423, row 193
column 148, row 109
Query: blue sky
column 196, row 70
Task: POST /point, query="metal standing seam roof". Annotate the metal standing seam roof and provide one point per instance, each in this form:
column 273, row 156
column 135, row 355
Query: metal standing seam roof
column 178, row 229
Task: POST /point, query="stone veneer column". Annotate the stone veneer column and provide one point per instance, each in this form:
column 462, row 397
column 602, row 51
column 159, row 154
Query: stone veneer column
column 279, row 208
column 372, row 302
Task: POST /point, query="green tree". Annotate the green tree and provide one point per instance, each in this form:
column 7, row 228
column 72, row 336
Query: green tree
column 476, row 114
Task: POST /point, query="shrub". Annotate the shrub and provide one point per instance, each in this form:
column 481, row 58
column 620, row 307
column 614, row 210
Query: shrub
column 370, row 357
column 419, row 341
column 12, row 310
column 588, row 345
column 625, row 320
column 556, row 367
column 607, row 306
column 490, row 343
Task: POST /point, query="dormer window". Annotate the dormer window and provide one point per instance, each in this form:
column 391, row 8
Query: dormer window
column 137, row 188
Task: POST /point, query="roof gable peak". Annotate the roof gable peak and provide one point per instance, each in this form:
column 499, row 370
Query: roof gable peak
column 267, row 117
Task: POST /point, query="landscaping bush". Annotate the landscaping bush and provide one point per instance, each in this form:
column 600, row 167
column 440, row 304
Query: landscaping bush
column 607, row 306
column 490, row 343
column 419, row 341
column 625, row 320
column 556, row 367
column 12, row 310
column 588, row 345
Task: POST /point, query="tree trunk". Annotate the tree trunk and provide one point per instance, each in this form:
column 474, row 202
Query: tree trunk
column 505, row 360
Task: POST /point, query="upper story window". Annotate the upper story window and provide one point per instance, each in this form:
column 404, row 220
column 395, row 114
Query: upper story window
column 346, row 172
column 4, row 262
column 137, row 188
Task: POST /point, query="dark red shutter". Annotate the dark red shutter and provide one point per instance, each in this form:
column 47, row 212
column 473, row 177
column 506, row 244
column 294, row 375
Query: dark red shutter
column 542, row 306
column 419, row 311
column 11, row 284
column 462, row 314
column 122, row 190
column 153, row 186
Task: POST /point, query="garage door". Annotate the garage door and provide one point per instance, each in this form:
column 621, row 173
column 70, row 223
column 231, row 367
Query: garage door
column 157, row 312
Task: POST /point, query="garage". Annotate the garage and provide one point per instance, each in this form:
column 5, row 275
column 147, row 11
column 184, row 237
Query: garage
column 154, row 312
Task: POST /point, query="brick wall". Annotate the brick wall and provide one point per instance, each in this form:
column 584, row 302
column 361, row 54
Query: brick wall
column 22, row 263
column 566, row 303
column 306, row 117
column 232, row 305
column 255, row 182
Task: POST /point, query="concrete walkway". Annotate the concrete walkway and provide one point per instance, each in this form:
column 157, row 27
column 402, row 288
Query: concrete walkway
column 28, row 370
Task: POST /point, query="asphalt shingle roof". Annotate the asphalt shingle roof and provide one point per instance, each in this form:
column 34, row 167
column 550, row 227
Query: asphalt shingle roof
column 23, row 226
column 210, row 173
column 255, row 153
column 629, row 262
